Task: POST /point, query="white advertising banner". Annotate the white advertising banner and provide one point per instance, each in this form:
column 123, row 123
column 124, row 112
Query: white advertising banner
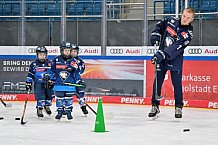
column 52, row 50
column 111, row 50
column 189, row 51
column 124, row 51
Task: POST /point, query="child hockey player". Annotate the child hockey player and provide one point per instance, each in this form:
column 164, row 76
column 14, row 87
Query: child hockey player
column 64, row 67
column 39, row 73
column 80, row 70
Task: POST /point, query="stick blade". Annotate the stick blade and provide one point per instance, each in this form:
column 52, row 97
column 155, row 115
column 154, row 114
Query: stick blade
column 8, row 105
column 23, row 122
column 158, row 98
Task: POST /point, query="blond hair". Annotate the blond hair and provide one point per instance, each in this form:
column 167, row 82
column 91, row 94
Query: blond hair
column 190, row 10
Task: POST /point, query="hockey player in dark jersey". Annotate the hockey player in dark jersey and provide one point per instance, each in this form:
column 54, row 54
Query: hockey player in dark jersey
column 39, row 73
column 64, row 67
column 80, row 70
column 173, row 35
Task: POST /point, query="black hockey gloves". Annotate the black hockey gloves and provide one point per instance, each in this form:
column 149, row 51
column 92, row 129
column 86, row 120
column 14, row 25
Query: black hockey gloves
column 28, row 86
column 158, row 57
column 155, row 39
column 83, row 85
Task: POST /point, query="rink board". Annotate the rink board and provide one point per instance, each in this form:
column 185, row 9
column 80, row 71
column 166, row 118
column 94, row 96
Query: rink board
column 124, row 78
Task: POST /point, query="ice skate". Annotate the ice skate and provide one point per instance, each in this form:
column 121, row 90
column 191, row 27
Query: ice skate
column 69, row 115
column 59, row 115
column 84, row 110
column 39, row 113
column 178, row 112
column 154, row 113
column 47, row 110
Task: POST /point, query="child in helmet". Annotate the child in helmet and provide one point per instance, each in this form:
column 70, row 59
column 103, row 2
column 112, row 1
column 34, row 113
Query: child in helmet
column 64, row 68
column 39, row 73
column 81, row 68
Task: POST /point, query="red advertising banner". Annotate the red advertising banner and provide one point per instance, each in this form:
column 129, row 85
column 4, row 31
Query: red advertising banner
column 200, row 81
column 122, row 100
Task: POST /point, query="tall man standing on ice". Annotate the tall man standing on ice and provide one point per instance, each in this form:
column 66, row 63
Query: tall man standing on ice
column 172, row 35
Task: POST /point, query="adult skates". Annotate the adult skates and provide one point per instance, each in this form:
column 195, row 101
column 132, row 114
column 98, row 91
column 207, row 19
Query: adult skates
column 178, row 112
column 154, row 113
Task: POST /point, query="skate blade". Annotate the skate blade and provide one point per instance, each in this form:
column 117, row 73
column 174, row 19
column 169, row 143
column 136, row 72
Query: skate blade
column 155, row 117
column 64, row 120
column 178, row 119
column 41, row 118
column 58, row 120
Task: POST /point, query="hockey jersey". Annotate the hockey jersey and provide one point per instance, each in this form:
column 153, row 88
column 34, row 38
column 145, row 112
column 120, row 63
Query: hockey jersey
column 174, row 39
column 64, row 70
column 81, row 64
column 38, row 70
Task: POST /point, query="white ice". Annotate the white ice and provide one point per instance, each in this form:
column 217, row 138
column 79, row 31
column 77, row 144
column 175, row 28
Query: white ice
column 127, row 125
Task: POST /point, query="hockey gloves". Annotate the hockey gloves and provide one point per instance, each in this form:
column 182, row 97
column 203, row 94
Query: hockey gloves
column 158, row 57
column 83, row 85
column 46, row 77
column 28, row 86
column 50, row 84
column 155, row 39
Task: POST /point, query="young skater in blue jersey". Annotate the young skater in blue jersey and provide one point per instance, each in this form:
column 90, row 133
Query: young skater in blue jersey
column 64, row 67
column 173, row 35
column 39, row 74
column 81, row 68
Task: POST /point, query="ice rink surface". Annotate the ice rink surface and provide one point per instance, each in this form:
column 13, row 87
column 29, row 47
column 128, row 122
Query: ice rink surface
column 127, row 125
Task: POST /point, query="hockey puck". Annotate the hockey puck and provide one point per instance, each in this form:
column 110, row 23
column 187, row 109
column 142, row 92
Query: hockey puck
column 186, row 130
column 1, row 118
column 17, row 118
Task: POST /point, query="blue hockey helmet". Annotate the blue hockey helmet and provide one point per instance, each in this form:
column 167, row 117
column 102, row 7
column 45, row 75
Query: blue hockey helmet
column 65, row 45
column 41, row 49
column 75, row 47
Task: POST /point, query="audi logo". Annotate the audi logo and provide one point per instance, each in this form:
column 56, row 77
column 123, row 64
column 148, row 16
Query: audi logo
column 116, row 51
column 195, row 51
column 32, row 50
column 151, row 51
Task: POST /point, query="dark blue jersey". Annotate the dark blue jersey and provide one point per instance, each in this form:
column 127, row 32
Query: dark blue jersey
column 81, row 65
column 38, row 70
column 64, row 70
column 174, row 39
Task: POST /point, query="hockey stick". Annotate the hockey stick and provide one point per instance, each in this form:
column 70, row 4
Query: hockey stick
column 6, row 105
column 88, row 105
column 91, row 109
column 24, row 109
column 157, row 97
column 76, row 85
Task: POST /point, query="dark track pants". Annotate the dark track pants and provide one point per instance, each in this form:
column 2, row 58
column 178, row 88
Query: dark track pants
column 176, row 77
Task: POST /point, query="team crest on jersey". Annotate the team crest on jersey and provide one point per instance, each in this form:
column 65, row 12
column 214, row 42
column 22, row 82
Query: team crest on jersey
column 169, row 41
column 64, row 75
